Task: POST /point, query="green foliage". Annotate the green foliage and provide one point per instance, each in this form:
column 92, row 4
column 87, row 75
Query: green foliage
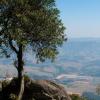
column 77, row 97
column 98, row 89
column 34, row 23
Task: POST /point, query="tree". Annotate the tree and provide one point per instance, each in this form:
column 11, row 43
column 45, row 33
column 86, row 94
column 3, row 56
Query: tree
column 30, row 23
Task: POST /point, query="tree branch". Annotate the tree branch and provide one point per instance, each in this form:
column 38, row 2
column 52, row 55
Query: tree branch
column 12, row 46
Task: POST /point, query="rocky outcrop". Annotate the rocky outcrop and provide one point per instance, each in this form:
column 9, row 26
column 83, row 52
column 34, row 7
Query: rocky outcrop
column 36, row 90
column 0, row 86
column 47, row 90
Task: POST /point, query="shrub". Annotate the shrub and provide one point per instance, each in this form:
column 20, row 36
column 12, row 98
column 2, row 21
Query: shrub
column 77, row 97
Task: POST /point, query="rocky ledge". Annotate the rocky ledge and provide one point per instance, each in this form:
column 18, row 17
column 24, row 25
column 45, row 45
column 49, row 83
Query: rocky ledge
column 34, row 90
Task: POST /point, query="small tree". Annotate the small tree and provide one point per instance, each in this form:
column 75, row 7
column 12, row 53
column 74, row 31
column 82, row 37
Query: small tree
column 30, row 23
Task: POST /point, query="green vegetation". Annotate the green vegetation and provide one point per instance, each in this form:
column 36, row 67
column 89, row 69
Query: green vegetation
column 30, row 23
column 98, row 89
column 77, row 97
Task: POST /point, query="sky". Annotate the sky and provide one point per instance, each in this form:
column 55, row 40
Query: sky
column 80, row 17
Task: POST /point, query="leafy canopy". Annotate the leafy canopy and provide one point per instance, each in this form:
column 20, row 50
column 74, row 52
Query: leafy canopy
column 30, row 23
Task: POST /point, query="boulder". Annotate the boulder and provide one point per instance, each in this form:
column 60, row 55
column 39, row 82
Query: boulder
column 35, row 90
column 46, row 90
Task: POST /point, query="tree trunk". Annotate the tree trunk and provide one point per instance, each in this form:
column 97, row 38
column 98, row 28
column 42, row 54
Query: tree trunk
column 20, row 73
column 21, row 89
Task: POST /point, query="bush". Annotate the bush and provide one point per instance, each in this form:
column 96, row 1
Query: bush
column 10, row 89
column 77, row 97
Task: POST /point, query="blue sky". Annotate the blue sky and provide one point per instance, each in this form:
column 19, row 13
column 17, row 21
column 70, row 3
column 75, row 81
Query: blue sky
column 81, row 17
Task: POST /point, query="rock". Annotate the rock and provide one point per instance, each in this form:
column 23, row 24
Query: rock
column 47, row 90
column 0, row 90
column 0, row 86
column 36, row 90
